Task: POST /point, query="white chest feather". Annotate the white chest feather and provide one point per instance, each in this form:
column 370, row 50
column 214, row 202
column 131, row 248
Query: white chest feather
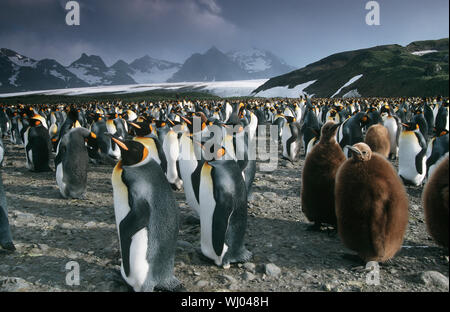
column 139, row 265
column 408, row 149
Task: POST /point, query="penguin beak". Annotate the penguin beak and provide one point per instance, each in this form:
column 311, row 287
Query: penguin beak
column 134, row 125
column 185, row 119
column 353, row 149
column 119, row 142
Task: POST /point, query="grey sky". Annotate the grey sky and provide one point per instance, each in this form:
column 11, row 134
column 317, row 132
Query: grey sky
column 299, row 31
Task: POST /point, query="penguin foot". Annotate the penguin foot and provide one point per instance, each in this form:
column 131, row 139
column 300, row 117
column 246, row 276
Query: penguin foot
column 173, row 285
column 240, row 257
column 8, row 246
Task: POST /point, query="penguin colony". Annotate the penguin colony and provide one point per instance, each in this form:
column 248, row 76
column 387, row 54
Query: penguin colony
column 156, row 149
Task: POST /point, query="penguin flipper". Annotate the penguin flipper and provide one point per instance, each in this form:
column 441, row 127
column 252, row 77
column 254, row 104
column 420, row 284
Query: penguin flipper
column 220, row 220
column 136, row 220
column 419, row 161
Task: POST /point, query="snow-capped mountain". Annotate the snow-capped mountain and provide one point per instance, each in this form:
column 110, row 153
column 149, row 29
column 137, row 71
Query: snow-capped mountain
column 214, row 65
column 210, row 66
column 260, row 64
column 94, row 71
column 148, row 70
column 21, row 73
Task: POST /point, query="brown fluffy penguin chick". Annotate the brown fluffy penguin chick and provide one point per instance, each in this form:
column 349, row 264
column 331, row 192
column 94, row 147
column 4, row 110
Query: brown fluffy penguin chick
column 371, row 205
column 318, row 177
column 435, row 202
column 377, row 137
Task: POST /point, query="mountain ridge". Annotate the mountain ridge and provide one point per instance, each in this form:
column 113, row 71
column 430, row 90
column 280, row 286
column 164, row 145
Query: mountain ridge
column 387, row 70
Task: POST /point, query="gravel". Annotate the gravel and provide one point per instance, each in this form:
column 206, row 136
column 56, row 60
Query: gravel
column 50, row 231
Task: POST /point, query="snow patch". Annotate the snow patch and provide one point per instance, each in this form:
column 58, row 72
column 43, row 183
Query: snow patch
column 351, row 81
column 58, row 75
column 82, row 74
column 220, row 88
column 420, row 53
column 252, row 60
column 351, row 94
column 13, row 79
column 22, row 61
column 285, row 91
column 154, row 76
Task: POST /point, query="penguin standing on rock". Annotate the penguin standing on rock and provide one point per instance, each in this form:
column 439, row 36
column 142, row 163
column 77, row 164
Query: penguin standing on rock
column 412, row 155
column 222, row 196
column 435, row 202
column 71, row 162
column 318, row 178
column 371, row 205
column 147, row 219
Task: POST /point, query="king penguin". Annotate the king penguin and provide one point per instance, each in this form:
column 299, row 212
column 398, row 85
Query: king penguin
column 437, row 150
column 435, row 202
column 371, row 205
column 318, row 178
column 38, row 146
column 222, row 197
column 147, row 220
column 71, row 163
column 412, row 155
column 291, row 139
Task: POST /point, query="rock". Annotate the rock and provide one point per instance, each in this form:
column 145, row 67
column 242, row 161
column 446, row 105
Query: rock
column 90, row 224
column 4, row 267
column 269, row 195
column 202, row 283
column 43, row 247
column 14, row 284
column 247, row 276
column 21, row 216
column 327, row 287
column 229, row 278
column 272, row 270
column 433, row 278
column 249, row 266
column 66, row 226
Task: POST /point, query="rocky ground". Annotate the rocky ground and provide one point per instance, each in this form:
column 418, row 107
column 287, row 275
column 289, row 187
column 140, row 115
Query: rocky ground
column 50, row 231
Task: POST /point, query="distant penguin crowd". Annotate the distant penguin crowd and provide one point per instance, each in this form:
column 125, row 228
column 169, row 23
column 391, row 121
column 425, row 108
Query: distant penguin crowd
column 206, row 149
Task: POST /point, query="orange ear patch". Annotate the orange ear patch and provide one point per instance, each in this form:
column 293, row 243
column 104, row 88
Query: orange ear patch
column 220, row 153
column 144, row 154
column 93, row 135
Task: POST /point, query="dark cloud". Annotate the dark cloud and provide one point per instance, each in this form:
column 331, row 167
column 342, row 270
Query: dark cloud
column 300, row 31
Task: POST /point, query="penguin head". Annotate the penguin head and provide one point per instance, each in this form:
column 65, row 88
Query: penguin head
column 360, row 152
column 290, row 119
column 410, row 126
column 132, row 152
column 328, row 131
column 36, row 120
column 140, row 129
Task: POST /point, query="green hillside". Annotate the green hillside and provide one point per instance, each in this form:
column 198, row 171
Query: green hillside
column 390, row 70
